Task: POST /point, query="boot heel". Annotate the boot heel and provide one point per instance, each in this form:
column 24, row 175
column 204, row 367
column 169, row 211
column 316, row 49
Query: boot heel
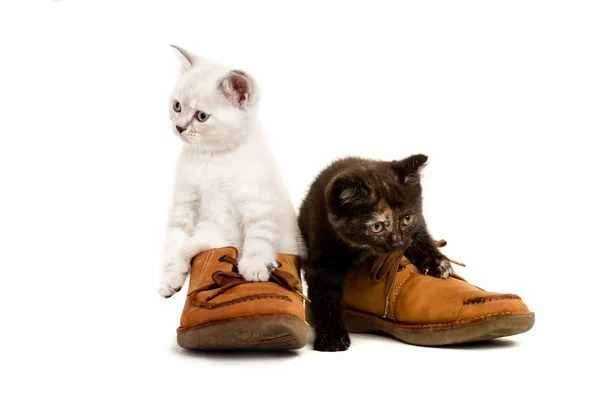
column 356, row 324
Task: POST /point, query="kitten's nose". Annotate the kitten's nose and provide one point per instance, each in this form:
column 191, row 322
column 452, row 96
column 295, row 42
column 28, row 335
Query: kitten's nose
column 180, row 129
column 398, row 243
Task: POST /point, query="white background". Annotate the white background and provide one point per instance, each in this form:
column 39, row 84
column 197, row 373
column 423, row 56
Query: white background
column 503, row 96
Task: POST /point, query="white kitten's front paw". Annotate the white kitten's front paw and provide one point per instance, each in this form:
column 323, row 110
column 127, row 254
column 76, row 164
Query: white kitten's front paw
column 173, row 279
column 256, row 268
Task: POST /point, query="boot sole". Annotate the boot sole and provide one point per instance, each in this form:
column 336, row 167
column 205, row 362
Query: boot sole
column 259, row 333
column 479, row 330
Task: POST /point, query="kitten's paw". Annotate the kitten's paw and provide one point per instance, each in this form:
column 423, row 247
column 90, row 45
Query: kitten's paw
column 173, row 279
column 332, row 341
column 256, row 268
column 443, row 269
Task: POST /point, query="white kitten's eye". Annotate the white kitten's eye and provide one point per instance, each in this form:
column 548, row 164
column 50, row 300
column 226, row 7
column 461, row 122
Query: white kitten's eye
column 176, row 106
column 201, row 116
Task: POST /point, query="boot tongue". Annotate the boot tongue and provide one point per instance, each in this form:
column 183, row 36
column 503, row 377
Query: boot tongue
column 379, row 269
column 388, row 264
column 206, row 263
column 385, row 267
column 404, row 262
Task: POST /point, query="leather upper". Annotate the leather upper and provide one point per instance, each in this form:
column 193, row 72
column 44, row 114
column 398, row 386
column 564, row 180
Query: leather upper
column 246, row 300
column 394, row 289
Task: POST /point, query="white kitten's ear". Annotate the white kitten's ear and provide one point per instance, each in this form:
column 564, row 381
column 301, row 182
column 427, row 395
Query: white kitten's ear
column 186, row 59
column 239, row 88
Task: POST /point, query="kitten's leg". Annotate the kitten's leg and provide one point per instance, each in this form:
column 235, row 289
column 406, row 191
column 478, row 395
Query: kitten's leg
column 182, row 218
column 261, row 232
column 206, row 236
column 424, row 253
column 325, row 286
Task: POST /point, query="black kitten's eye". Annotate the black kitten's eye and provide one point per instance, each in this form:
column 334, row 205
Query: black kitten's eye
column 176, row 106
column 201, row 116
column 376, row 227
column 406, row 221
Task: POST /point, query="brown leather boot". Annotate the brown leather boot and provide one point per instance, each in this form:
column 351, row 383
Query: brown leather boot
column 392, row 296
column 223, row 311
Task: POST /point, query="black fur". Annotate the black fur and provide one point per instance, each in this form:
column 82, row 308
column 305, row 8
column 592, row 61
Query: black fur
column 334, row 219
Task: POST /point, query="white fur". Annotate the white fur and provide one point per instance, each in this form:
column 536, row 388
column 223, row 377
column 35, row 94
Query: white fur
column 445, row 269
column 228, row 190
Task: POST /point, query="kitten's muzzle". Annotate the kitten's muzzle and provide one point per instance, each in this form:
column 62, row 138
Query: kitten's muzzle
column 179, row 128
column 391, row 246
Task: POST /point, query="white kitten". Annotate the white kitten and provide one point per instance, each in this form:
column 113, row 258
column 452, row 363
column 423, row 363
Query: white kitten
column 228, row 191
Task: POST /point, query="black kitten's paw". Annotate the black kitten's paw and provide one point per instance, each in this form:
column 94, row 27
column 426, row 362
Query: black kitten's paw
column 332, row 341
column 440, row 268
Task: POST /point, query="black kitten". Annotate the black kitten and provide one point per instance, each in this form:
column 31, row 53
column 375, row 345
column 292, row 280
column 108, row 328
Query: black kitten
column 357, row 209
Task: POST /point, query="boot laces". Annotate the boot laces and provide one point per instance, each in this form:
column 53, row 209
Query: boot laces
column 225, row 280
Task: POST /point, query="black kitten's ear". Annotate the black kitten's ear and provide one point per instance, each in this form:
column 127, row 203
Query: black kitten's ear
column 409, row 169
column 345, row 191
